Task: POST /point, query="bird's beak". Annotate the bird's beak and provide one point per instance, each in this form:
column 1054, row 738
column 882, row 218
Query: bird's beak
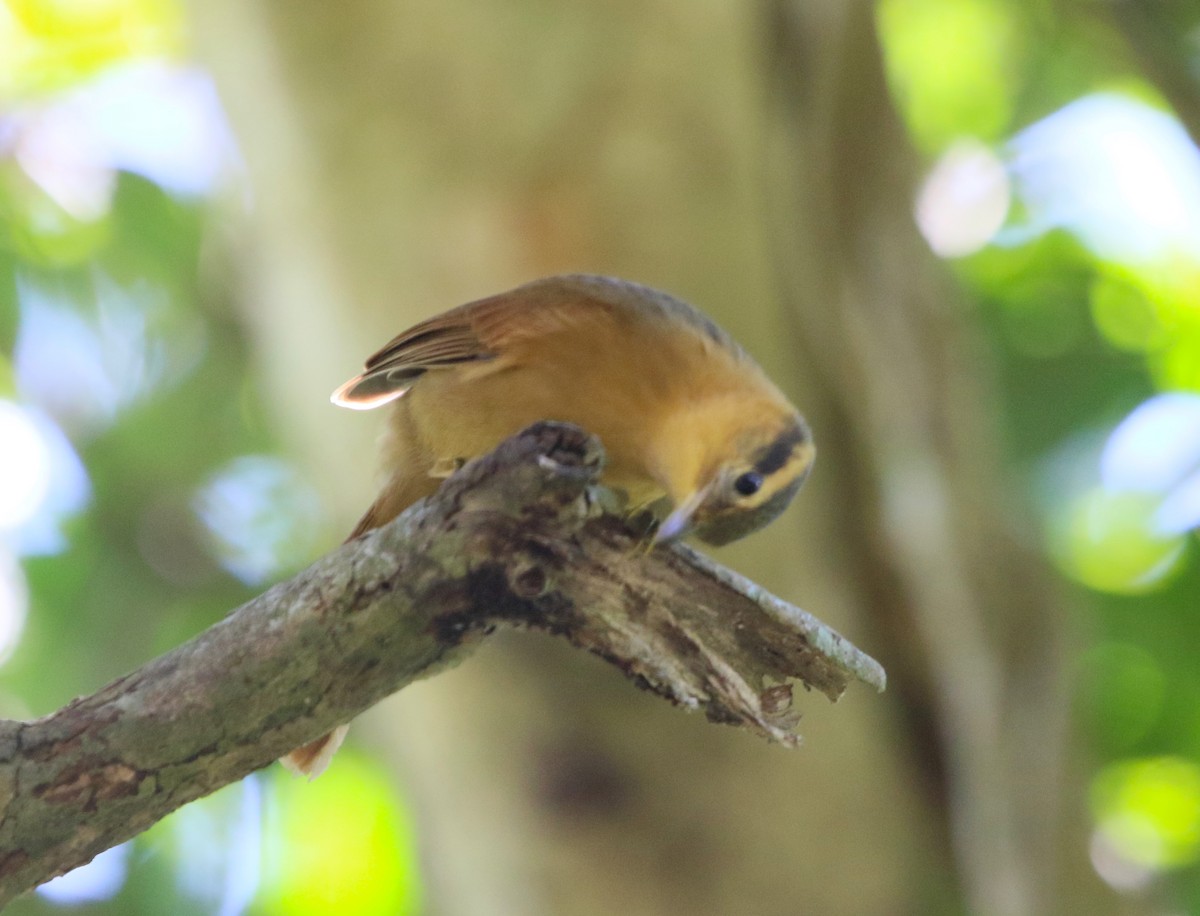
column 680, row 520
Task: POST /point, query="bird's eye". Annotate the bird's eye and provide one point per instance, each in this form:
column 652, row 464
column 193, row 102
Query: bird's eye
column 749, row 483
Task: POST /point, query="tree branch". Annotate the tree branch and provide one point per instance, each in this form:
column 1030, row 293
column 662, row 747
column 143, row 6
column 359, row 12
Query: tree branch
column 517, row 538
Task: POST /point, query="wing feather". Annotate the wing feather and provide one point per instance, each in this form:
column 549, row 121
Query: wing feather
column 440, row 342
column 487, row 328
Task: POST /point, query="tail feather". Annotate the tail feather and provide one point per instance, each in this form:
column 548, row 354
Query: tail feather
column 312, row 759
column 400, row 493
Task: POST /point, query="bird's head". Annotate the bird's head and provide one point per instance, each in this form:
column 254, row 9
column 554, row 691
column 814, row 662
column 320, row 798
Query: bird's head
column 746, row 467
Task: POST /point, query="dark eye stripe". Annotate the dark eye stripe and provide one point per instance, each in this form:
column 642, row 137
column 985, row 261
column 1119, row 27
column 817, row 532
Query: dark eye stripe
column 778, row 453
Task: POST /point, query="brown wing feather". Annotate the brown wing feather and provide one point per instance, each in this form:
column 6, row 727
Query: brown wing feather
column 444, row 340
column 476, row 331
column 482, row 329
column 486, row 328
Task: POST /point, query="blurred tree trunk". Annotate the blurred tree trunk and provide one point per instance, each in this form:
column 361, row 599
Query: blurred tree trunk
column 967, row 612
column 410, row 156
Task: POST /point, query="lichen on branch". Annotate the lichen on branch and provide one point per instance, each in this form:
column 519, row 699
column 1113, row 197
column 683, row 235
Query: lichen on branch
column 518, row 538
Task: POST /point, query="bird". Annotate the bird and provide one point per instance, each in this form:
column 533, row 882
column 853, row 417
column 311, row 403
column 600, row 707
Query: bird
column 693, row 429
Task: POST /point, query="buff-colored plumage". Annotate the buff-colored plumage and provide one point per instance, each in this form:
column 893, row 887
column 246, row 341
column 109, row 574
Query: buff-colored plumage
column 690, row 424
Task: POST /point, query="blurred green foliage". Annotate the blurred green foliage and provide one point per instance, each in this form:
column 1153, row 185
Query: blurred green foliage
column 339, row 845
column 953, row 67
column 52, row 44
column 112, row 328
column 1082, row 336
column 1147, row 809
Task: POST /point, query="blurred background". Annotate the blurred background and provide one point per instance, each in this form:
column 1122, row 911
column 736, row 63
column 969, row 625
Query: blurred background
column 964, row 236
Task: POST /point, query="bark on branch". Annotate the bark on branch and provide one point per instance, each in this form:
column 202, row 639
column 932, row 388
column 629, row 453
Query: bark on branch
column 517, row 538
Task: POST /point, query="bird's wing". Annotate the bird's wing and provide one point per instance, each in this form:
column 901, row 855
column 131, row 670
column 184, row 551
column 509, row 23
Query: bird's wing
column 446, row 340
column 478, row 331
